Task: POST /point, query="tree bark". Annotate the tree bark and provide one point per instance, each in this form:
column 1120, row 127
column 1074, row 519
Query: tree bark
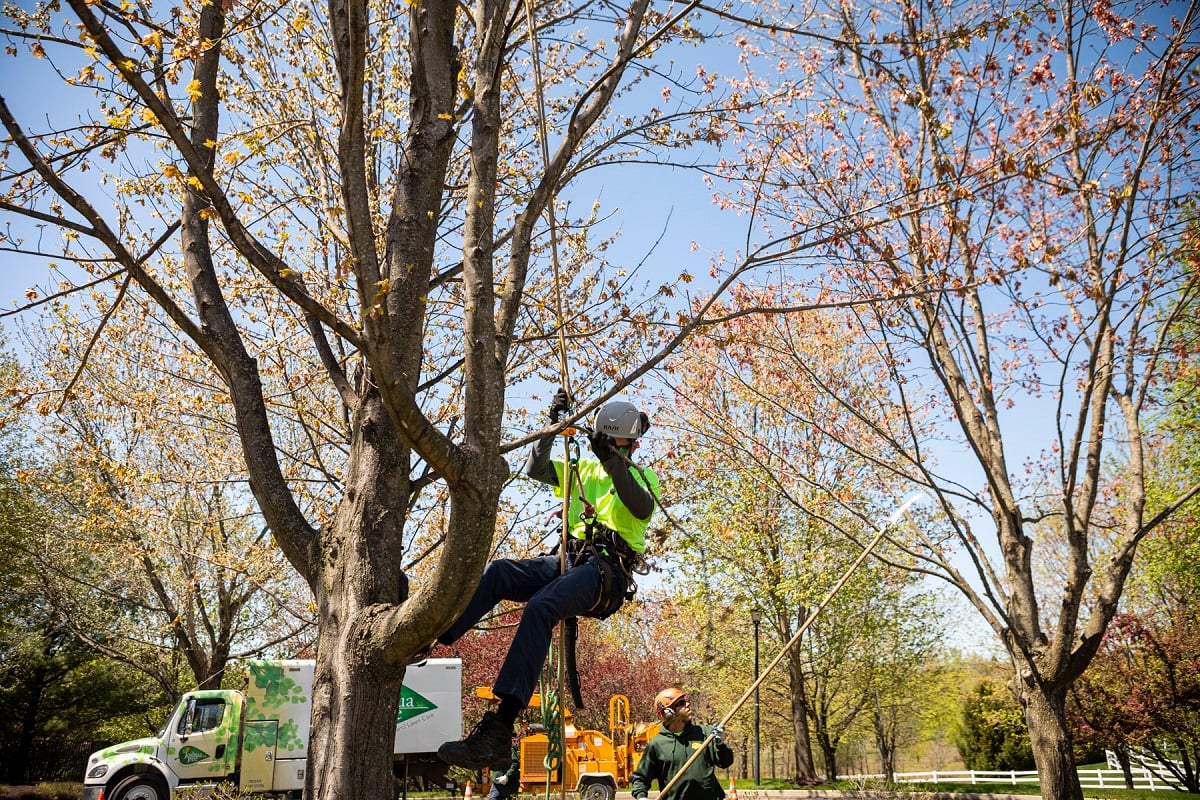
column 887, row 752
column 1051, row 739
column 806, row 774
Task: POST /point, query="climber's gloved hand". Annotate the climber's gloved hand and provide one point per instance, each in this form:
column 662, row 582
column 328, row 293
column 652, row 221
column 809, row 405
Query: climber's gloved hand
column 500, row 780
column 602, row 446
column 559, row 405
column 718, row 733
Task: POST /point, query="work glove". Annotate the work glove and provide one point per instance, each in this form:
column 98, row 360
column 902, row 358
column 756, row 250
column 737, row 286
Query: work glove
column 717, row 733
column 559, row 405
column 602, row 446
column 500, row 780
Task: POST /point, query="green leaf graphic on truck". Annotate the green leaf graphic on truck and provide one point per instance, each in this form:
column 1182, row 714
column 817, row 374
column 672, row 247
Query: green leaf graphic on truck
column 278, row 690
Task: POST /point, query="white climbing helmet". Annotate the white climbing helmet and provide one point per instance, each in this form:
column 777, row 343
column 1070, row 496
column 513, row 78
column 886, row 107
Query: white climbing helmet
column 621, row 420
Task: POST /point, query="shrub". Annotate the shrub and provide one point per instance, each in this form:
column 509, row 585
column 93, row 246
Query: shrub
column 991, row 733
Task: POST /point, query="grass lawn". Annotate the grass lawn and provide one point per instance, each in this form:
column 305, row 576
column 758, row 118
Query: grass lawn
column 1008, row 788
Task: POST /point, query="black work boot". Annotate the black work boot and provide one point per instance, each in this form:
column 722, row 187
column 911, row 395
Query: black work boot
column 489, row 745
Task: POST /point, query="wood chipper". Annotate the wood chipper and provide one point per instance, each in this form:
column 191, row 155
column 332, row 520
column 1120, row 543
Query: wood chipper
column 593, row 763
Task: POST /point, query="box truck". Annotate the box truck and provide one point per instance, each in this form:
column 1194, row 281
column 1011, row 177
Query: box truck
column 257, row 739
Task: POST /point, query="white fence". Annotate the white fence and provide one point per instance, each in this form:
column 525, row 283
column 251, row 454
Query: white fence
column 1088, row 778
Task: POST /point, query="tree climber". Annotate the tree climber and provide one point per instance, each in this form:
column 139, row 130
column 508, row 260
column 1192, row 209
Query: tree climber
column 610, row 507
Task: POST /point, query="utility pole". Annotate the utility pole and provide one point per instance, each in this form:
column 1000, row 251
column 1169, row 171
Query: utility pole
column 756, row 615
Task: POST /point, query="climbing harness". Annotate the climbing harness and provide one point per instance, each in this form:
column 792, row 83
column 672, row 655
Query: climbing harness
column 614, row 561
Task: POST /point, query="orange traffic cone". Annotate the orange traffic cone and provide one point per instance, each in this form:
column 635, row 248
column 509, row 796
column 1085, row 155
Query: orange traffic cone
column 732, row 788
column 467, row 791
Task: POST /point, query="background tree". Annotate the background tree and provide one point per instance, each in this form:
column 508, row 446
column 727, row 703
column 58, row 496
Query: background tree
column 1141, row 695
column 1138, row 694
column 148, row 478
column 1018, row 180
column 54, row 691
column 772, row 490
column 357, row 187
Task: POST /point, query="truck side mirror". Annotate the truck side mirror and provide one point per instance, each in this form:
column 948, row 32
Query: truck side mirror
column 189, row 716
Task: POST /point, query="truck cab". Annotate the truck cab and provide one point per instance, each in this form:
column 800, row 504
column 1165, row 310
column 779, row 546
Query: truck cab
column 199, row 742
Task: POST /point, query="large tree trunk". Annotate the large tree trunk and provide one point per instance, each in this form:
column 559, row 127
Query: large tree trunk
column 806, row 773
column 1051, row 739
column 352, row 732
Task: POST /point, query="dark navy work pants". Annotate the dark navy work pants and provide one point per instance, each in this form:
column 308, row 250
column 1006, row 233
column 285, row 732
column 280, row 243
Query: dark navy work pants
column 549, row 598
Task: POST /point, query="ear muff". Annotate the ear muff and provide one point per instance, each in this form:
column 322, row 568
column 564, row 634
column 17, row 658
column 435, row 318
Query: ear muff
column 664, row 703
column 643, row 423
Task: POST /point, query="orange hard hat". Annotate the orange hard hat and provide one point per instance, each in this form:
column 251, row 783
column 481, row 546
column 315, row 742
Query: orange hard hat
column 665, row 701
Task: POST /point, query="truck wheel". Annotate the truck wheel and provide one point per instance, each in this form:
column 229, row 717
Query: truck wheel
column 140, row 787
column 597, row 791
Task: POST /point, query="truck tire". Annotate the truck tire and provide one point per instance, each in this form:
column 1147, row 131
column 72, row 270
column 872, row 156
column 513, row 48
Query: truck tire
column 597, row 790
column 140, row 787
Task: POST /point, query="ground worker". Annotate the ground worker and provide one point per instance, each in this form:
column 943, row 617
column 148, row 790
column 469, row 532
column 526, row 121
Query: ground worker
column 505, row 784
column 611, row 503
column 678, row 738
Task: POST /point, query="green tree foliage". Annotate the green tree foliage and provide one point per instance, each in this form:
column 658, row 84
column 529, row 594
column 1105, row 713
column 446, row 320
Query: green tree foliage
column 51, row 683
column 991, row 733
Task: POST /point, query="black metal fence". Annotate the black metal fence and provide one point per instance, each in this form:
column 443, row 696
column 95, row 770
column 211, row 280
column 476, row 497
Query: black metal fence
column 48, row 760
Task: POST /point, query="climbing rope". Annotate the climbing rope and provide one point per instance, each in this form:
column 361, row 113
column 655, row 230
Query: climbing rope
column 552, row 722
column 564, row 374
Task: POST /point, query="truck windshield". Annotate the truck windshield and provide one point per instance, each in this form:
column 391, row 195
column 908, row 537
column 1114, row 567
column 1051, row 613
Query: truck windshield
column 166, row 723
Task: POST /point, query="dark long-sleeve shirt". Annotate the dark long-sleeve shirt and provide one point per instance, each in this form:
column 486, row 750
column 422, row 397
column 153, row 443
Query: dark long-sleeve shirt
column 666, row 754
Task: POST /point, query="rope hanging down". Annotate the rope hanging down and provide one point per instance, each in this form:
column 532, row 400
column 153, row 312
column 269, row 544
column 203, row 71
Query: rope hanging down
column 901, row 511
column 564, row 380
column 564, row 373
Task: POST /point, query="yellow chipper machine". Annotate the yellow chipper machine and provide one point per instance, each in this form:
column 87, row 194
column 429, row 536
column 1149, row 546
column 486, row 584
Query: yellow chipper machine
column 595, row 764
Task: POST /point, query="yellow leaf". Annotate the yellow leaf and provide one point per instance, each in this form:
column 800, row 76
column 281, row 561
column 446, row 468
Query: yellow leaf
column 193, row 90
column 172, row 171
column 445, row 116
column 195, row 183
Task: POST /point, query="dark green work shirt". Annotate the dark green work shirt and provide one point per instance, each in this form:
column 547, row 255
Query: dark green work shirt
column 666, row 754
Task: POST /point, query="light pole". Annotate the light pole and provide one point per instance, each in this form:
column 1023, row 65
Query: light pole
column 756, row 617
